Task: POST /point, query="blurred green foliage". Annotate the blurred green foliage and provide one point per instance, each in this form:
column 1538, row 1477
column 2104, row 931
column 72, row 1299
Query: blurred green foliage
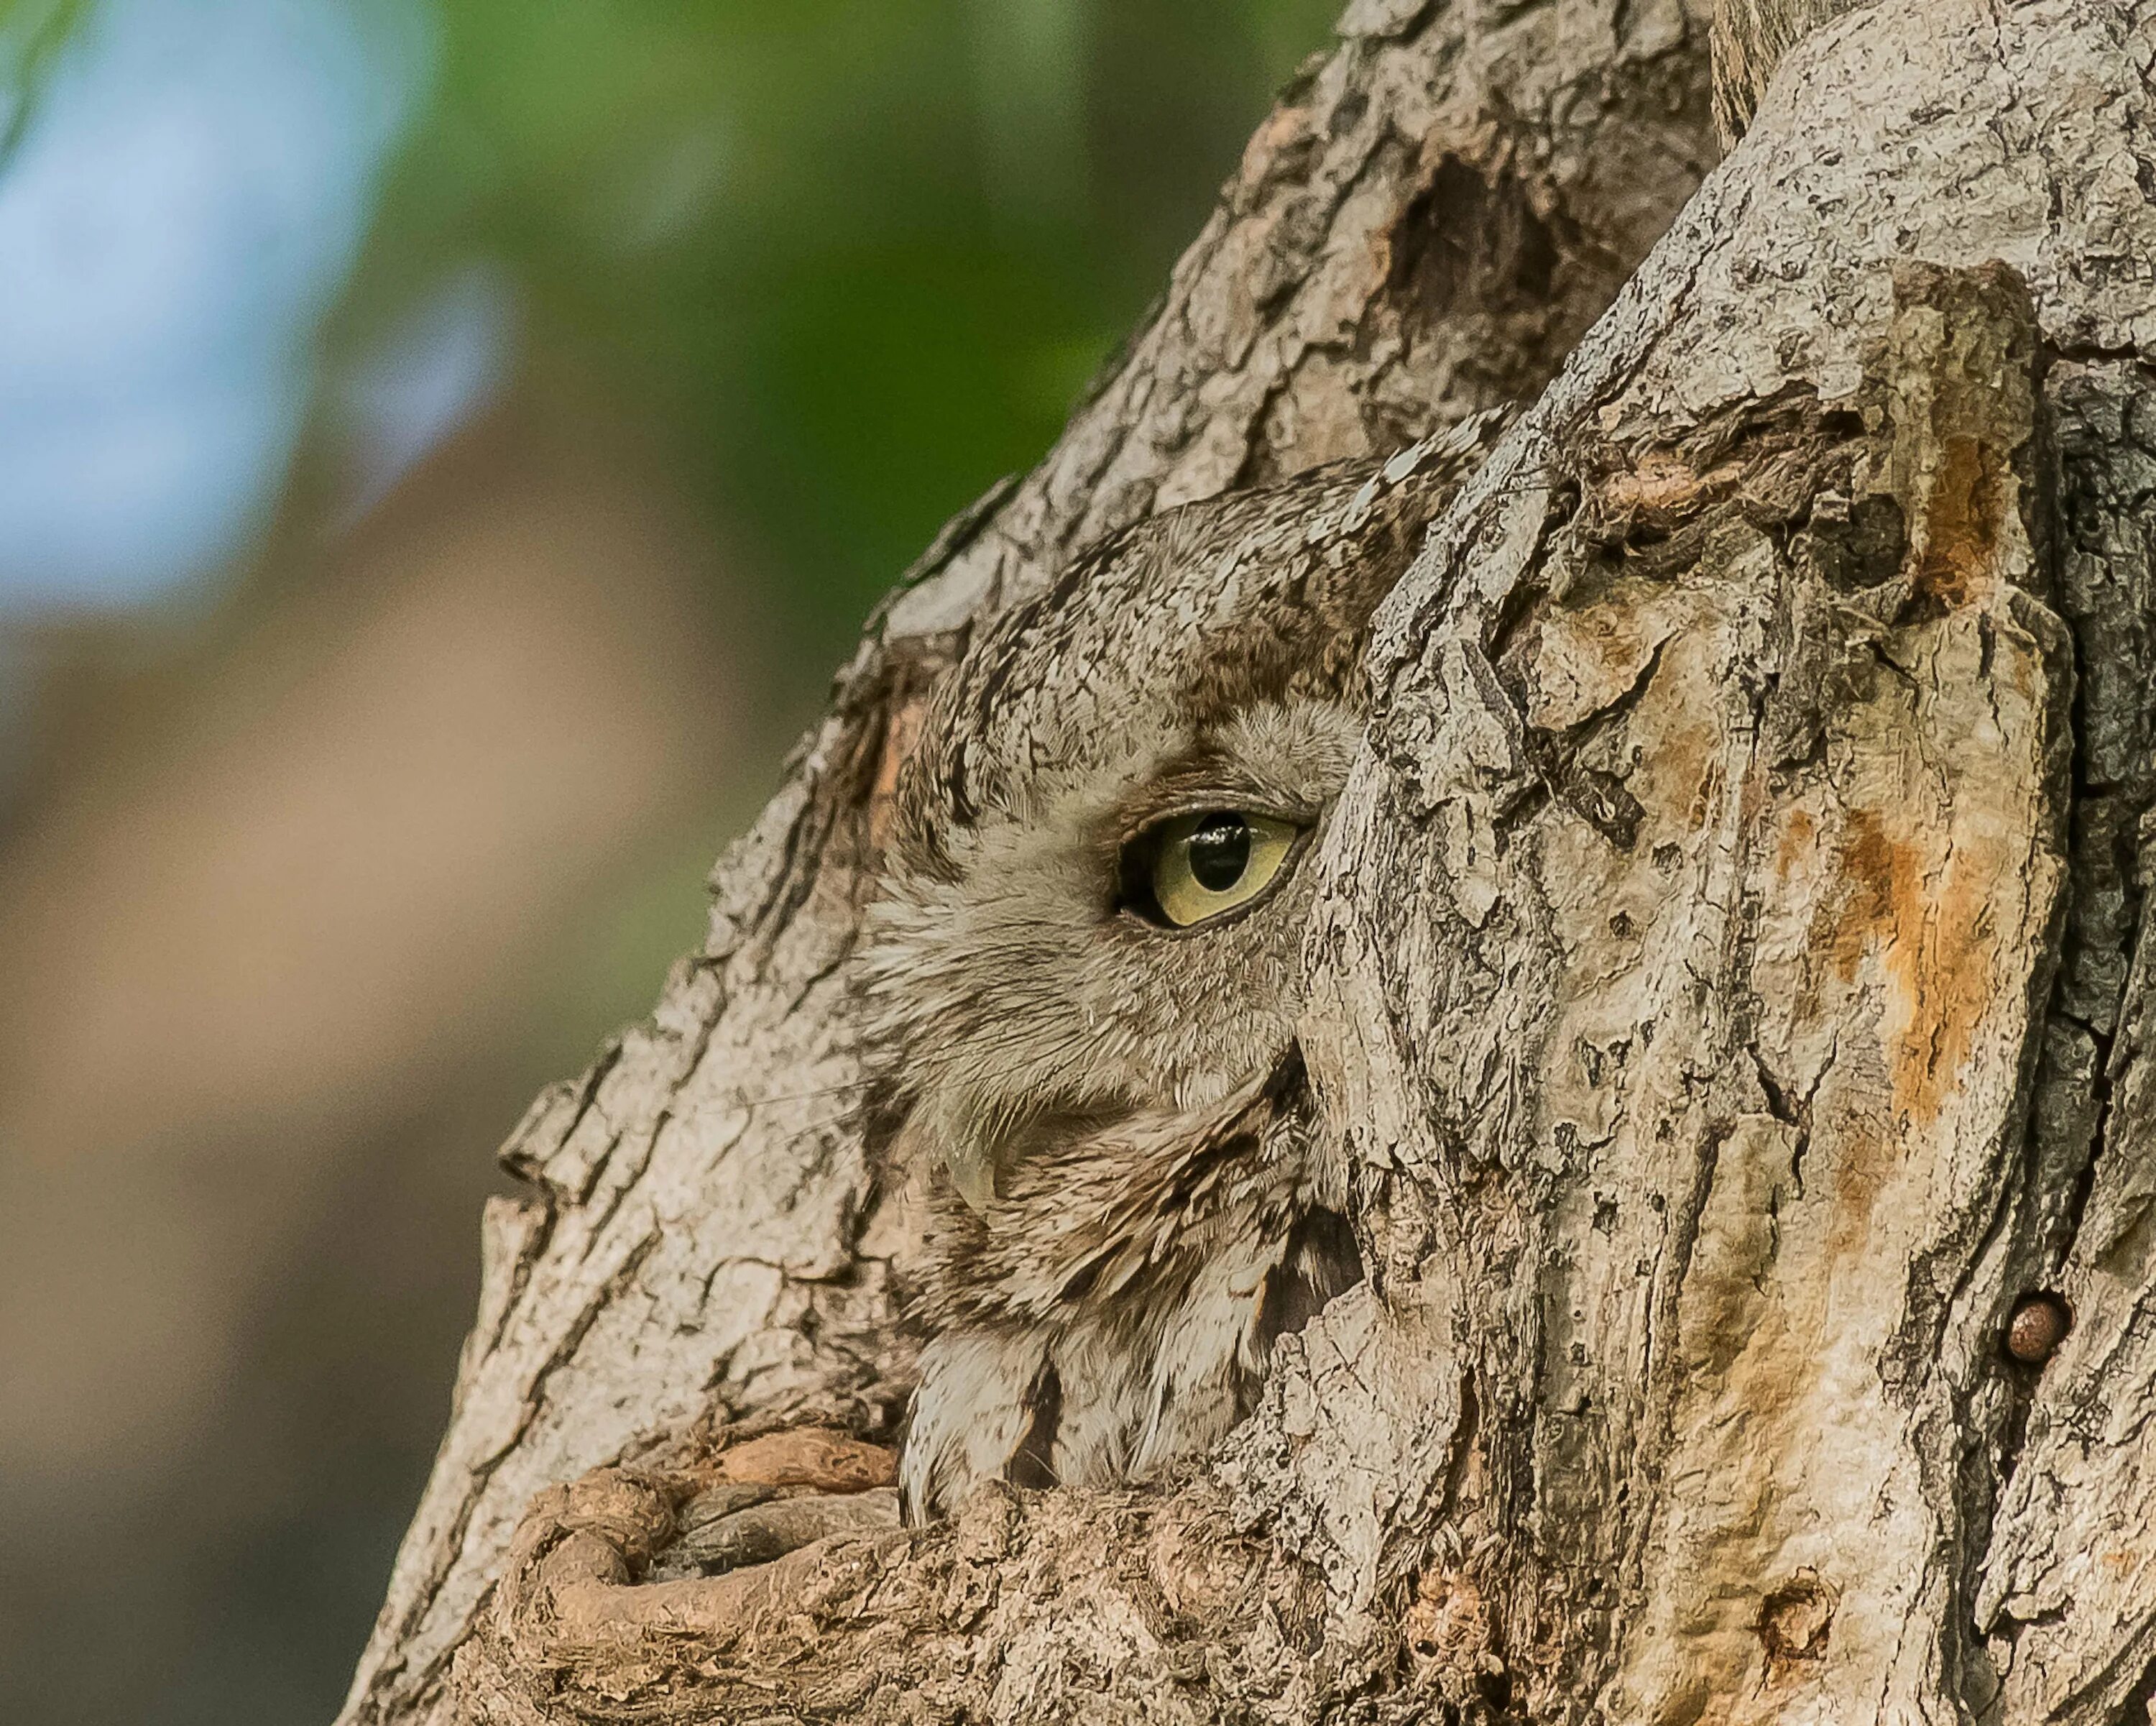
column 849, row 261
column 31, row 34
column 857, row 256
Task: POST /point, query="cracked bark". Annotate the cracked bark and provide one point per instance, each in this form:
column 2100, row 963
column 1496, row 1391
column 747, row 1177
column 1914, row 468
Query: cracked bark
column 1728, row 990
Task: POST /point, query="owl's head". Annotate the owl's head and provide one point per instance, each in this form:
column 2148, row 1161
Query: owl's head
column 1097, row 880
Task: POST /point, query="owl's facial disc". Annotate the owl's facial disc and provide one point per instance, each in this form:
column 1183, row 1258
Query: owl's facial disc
column 1117, row 940
column 1190, row 870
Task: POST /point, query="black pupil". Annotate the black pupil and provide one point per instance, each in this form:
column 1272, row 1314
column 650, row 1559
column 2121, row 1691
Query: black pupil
column 1219, row 852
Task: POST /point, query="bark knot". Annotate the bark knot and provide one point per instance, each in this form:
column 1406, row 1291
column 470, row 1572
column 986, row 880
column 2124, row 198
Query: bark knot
column 1795, row 1622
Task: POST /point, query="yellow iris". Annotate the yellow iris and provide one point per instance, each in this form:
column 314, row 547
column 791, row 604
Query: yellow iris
column 1211, row 862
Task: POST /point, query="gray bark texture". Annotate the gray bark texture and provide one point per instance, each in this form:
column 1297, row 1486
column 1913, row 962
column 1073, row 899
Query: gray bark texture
column 1726, row 987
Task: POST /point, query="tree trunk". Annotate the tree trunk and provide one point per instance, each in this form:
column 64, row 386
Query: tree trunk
column 1726, row 993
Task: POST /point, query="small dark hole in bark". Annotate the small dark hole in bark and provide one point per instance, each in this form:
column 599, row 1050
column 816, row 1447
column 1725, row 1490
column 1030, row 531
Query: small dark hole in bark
column 1321, row 1263
column 1466, row 236
column 1794, row 1621
column 1864, row 550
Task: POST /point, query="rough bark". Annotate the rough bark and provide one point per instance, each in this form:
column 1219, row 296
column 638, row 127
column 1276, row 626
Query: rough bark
column 1729, row 1087
column 1729, row 997
column 1422, row 228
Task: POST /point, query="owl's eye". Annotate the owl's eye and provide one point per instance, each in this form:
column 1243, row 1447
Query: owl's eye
column 1190, row 869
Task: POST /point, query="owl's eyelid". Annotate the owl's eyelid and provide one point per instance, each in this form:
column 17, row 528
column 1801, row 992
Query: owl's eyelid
column 1216, row 801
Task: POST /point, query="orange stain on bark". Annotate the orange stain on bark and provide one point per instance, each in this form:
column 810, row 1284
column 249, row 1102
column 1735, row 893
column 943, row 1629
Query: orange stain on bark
column 1684, row 774
column 1796, row 839
column 1928, row 917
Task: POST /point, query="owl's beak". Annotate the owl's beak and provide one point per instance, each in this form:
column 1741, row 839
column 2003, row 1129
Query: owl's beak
column 970, row 1156
column 973, row 1171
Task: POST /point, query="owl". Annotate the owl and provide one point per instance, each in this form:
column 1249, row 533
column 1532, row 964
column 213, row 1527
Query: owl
column 1082, row 978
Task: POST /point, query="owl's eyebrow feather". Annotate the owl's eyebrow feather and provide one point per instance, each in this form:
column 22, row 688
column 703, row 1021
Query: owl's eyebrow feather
column 1257, row 758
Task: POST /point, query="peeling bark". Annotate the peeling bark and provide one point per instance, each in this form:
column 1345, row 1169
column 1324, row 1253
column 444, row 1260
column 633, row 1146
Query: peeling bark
column 1728, row 1004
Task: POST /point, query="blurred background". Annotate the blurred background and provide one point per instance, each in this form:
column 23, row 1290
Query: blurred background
column 445, row 449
